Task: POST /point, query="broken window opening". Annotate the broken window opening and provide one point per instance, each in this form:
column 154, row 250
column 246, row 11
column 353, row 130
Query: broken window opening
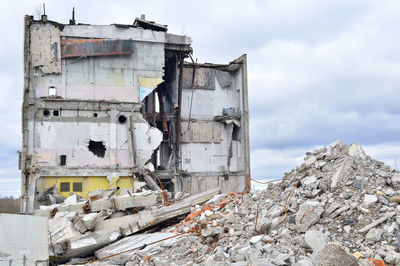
column 63, row 160
column 97, row 148
column 235, row 133
column 64, row 187
column 56, row 113
column 77, row 187
column 46, row 112
column 52, row 91
column 122, row 119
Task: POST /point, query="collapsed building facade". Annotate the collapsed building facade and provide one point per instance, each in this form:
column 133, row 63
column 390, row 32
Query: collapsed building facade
column 105, row 106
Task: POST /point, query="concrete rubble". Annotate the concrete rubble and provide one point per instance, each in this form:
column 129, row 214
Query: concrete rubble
column 88, row 226
column 337, row 208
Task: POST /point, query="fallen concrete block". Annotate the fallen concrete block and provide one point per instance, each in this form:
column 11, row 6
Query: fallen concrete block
column 142, row 199
column 340, row 173
column 396, row 180
column 61, row 228
column 376, row 222
column 128, row 246
column 309, row 213
column 333, row 255
column 150, row 181
column 100, row 193
column 315, row 239
column 88, row 221
column 108, row 231
column 45, row 210
column 356, row 150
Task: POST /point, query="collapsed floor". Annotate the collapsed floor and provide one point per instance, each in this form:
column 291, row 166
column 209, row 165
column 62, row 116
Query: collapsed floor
column 340, row 207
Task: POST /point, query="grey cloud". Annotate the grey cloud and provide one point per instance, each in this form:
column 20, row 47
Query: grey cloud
column 318, row 70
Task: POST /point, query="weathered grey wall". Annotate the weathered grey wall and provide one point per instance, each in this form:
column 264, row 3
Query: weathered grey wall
column 106, row 78
column 210, row 145
column 90, row 93
column 24, row 240
column 113, row 78
column 208, row 151
column 71, row 138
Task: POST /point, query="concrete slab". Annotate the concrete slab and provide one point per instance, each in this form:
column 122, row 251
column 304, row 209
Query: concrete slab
column 133, row 243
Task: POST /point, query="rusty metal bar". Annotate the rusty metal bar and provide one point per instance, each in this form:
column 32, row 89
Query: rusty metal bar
column 162, row 111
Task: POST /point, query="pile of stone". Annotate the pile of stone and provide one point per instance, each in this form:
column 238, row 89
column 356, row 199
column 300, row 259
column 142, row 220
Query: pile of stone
column 340, row 207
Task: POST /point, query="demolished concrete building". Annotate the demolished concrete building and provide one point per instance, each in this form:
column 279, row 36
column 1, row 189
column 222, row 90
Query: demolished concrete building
column 106, row 106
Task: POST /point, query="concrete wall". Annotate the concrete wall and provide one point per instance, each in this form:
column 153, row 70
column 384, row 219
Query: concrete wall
column 71, row 104
column 119, row 78
column 24, row 240
column 211, row 152
column 112, row 78
column 73, row 132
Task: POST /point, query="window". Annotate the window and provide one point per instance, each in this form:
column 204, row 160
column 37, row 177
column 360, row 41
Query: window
column 63, row 159
column 64, row 187
column 77, row 187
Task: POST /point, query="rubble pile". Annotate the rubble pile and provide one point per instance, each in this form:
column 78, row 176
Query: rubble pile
column 78, row 228
column 340, row 207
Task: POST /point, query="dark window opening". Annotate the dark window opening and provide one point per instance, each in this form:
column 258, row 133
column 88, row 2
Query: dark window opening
column 77, row 187
column 64, row 187
column 63, row 159
column 95, row 115
column 167, row 183
column 235, row 133
column 46, row 112
column 97, row 148
column 122, row 119
column 56, row 113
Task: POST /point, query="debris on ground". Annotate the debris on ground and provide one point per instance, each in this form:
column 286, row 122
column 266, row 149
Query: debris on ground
column 340, row 207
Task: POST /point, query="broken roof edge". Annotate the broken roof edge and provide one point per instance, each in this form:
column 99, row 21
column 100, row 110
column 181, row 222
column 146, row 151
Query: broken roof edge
column 230, row 67
column 151, row 25
column 32, row 20
column 141, row 24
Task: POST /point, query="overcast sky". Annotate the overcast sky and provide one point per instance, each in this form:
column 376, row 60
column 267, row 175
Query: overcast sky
column 318, row 70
